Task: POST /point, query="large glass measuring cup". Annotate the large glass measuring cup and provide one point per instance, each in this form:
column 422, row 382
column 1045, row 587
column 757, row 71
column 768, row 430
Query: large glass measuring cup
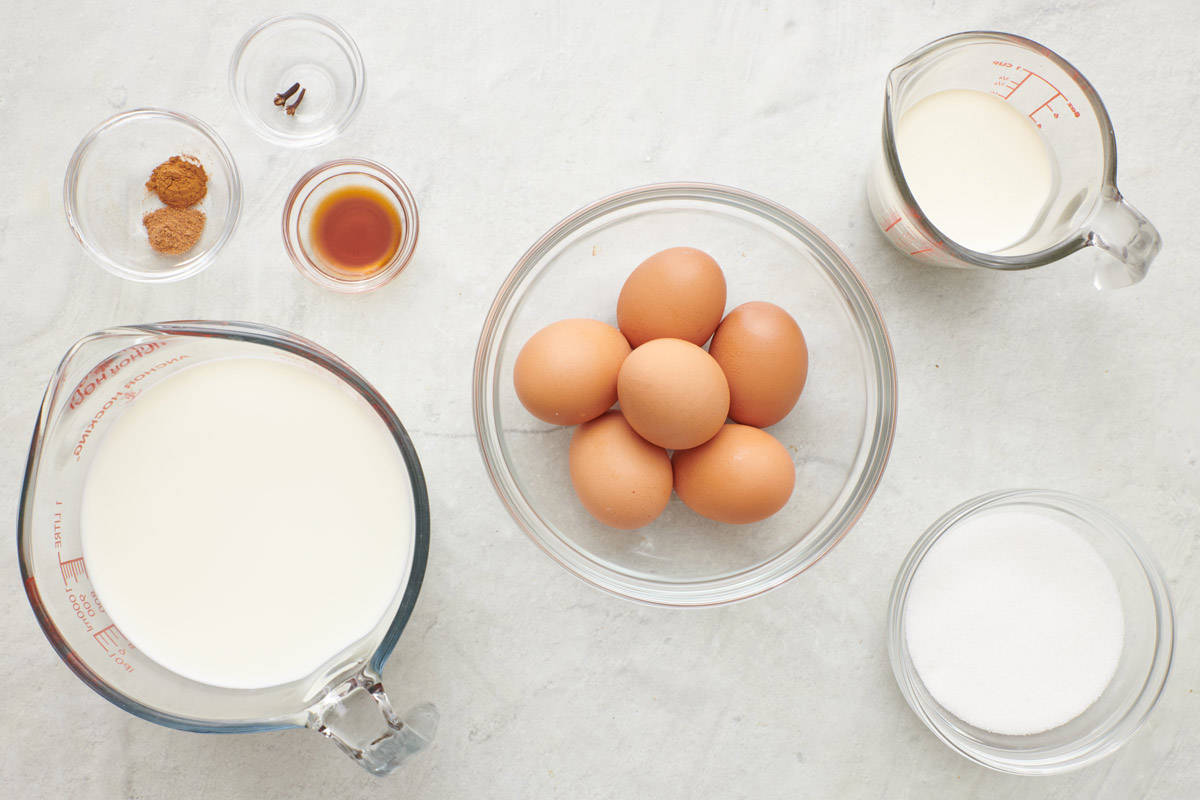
column 1084, row 208
column 100, row 377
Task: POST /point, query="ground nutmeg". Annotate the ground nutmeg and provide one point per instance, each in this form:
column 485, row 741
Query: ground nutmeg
column 174, row 230
column 179, row 182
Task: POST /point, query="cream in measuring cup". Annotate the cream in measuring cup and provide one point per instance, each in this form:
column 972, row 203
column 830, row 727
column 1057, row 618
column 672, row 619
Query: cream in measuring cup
column 977, row 167
column 217, row 498
column 224, row 528
column 996, row 153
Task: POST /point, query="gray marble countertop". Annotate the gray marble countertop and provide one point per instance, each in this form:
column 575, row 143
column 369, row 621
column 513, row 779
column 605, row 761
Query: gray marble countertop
column 504, row 117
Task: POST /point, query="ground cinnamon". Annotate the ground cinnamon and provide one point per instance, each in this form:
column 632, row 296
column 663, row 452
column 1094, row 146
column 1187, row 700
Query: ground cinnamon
column 179, row 181
column 174, row 230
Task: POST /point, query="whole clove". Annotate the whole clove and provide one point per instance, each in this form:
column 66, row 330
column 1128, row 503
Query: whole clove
column 291, row 109
column 282, row 97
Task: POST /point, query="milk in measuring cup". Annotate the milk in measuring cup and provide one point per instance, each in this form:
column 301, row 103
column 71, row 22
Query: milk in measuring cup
column 978, row 167
column 247, row 519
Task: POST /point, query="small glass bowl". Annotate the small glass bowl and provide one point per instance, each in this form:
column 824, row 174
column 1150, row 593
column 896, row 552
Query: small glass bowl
column 105, row 192
column 1141, row 672
column 307, row 195
column 307, row 49
column 839, row 433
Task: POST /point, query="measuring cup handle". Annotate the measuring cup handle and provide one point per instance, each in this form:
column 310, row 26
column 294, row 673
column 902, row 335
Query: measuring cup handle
column 357, row 715
column 1122, row 231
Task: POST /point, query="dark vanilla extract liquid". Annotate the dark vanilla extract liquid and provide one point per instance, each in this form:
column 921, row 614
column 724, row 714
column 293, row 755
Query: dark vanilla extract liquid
column 356, row 229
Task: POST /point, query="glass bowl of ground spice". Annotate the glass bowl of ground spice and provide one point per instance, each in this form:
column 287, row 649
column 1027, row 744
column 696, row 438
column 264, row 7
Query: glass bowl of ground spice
column 152, row 195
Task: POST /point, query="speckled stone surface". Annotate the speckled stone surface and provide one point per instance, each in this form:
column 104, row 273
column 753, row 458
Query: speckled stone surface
column 504, row 117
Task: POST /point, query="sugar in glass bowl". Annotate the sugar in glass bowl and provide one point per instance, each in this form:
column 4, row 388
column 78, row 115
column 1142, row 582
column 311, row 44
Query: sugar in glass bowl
column 1141, row 671
column 105, row 192
column 839, row 433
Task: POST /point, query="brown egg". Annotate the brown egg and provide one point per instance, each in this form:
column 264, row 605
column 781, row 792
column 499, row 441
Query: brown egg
column 675, row 294
column 741, row 475
column 673, row 393
column 621, row 479
column 567, row 372
column 765, row 359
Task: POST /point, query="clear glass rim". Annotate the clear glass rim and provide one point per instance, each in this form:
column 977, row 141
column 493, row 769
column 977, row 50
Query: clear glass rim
column 880, row 426
column 891, row 157
column 255, row 333
column 331, row 131
column 189, row 266
column 1098, row 745
column 304, row 187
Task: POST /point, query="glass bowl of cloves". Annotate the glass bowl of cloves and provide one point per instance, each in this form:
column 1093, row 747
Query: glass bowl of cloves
column 298, row 79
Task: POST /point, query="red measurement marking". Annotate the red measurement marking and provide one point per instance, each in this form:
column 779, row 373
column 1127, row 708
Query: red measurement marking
column 111, row 639
column 1039, row 77
column 1046, row 105
column 1018, row 86
column 922, row 250
column 72, row 569
column 892, row 224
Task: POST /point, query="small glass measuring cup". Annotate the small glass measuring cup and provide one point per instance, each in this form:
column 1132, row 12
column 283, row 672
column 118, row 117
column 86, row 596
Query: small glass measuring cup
column 1084, row 209
column 100, row 377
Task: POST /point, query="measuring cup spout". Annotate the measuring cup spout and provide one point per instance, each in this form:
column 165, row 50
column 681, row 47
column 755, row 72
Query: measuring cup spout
column 1119, row 229
column 357, row 715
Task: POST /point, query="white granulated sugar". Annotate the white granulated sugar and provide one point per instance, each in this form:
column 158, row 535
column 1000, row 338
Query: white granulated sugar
column 1014, row 623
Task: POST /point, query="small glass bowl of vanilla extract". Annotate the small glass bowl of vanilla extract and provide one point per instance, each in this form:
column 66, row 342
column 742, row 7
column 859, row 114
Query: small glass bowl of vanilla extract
column 350, row 225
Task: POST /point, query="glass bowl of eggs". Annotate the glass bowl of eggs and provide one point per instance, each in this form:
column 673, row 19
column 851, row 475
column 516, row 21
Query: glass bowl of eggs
column 684, row 394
